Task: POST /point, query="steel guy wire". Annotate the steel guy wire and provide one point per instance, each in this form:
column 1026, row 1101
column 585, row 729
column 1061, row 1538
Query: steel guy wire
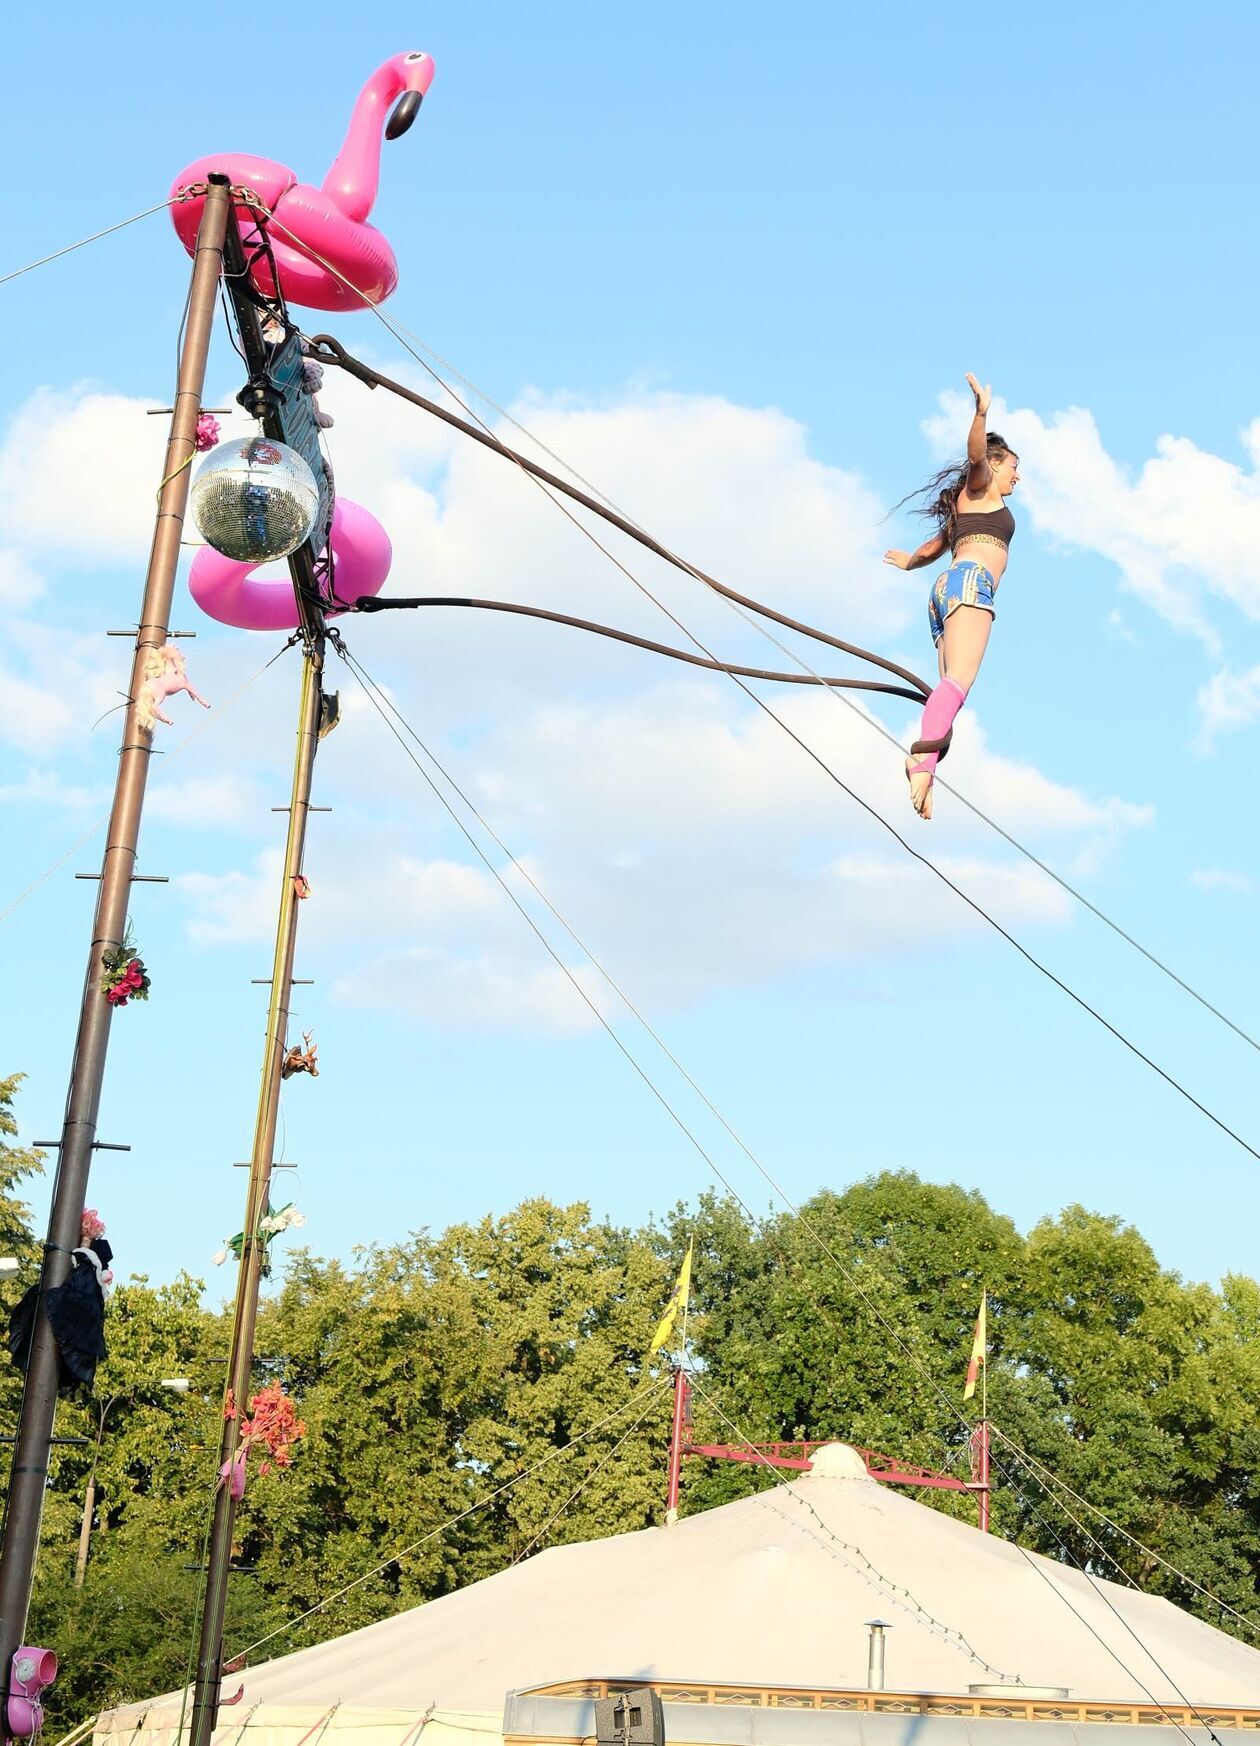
column 82, row 243
column 451, row 1522
column 1049, row 1477
column 598, row 1467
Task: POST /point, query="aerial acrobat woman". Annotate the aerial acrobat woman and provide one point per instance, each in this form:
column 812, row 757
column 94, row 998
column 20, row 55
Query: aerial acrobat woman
column 968, row 504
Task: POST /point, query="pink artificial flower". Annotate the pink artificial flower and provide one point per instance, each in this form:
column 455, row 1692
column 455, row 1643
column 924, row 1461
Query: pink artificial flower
column 233, row 1473
column 207, row 432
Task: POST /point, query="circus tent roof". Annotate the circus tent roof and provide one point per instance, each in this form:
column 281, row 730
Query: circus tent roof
column 775, row 1590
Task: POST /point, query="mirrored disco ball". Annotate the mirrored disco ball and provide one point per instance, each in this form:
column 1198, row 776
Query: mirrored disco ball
column 254, row 499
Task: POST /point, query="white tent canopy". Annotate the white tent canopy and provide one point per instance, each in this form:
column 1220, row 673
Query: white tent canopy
column 775, row 1590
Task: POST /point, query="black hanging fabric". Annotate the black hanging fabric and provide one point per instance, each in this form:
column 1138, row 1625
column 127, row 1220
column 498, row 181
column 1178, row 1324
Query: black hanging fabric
column 76, row 1314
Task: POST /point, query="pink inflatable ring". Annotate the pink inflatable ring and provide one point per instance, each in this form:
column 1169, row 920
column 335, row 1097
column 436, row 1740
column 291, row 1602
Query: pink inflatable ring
column 229, row 591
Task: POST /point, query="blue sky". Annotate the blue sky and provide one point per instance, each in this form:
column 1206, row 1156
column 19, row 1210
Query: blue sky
column 733, row 264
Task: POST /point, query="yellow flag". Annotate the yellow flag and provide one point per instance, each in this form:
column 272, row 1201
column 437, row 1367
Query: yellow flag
column 675, row 1307
column 978, row 1346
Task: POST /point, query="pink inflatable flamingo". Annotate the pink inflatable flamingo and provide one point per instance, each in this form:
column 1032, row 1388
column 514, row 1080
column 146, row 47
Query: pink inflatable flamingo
column 328, row 221
column 228, row 590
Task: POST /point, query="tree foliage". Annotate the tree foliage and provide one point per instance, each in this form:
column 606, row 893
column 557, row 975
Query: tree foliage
column 475, row 1396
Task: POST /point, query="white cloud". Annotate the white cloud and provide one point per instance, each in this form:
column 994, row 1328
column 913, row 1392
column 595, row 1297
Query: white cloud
column 74, row 467
column 20, row 583
column 680, row 834
column 1116, row 621
column 53, row 686
column 734, row 488
column 46, row 788
column 1218, row 879
column 1228, row 701
column 206, row 802
column 675, row 823
column 484, row 992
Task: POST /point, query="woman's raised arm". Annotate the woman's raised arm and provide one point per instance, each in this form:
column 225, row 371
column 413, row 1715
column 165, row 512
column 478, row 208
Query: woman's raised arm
column 979, row 474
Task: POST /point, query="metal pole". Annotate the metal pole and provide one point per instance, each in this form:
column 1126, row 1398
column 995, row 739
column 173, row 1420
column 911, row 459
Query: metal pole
column 29, row 1471
column 85, row 1531
column 89, row 1500
column 982, row 1472
column 681, row 1389
column 241, row 1359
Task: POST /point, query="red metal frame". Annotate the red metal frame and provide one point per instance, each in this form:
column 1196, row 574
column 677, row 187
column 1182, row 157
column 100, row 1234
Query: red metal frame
column 796, row 1457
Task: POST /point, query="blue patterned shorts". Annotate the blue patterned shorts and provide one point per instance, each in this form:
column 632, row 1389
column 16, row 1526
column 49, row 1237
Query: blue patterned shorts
column 963, row 584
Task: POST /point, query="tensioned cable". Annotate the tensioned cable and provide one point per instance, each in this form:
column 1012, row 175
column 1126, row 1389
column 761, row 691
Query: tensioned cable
column 383, row 702
column 1031, row 1560
column 1049, row 1477
column 451, row 1522
column 374, row 603
column 1086, row 1533
column 574, row 1495
column 84, row 241
column 336, row 355
column 1090, row 1538
column 1069, row 1558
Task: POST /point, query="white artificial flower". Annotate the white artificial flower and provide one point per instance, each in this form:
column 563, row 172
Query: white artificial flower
column 220, row 1258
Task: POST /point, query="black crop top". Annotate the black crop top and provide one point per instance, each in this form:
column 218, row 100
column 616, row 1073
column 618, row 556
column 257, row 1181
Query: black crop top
column 996, row 524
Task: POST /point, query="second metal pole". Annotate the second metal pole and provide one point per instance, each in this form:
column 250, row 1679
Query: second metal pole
column 241, row 1359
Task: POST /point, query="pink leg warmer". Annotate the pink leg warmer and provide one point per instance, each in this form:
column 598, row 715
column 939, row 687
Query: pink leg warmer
column 938, row 717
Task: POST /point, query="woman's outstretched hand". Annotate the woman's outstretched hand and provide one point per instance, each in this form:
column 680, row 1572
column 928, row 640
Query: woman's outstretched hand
column 983, row 395
column 900, row 559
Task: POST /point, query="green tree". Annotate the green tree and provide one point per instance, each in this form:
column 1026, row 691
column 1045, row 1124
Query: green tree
column 443, row 1378
column 16, row 1236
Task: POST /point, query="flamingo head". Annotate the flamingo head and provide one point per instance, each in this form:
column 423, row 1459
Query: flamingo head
column 415, row 74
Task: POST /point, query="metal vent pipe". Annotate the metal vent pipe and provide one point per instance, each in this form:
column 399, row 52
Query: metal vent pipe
column 875, row 1653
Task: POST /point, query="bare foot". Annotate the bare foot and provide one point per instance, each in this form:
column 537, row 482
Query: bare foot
column 920, row 789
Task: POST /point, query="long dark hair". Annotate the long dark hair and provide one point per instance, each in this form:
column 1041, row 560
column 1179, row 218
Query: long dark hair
column 939, row 494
